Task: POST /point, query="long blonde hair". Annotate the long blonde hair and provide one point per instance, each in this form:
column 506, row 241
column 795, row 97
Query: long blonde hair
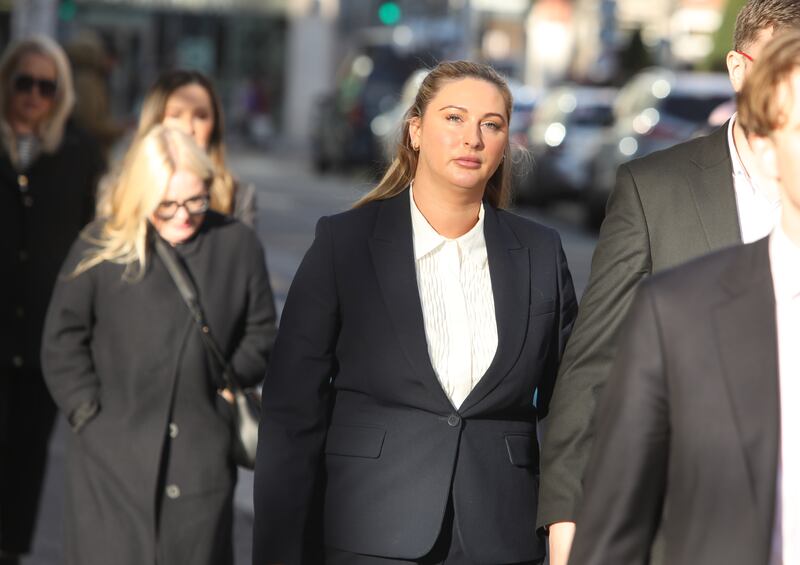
column 146, row 171
column 403, row 167
column 153, row 109
column 51, row 131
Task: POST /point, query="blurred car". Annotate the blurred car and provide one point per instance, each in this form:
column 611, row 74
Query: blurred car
column 656, row 109
column 369, row 83
column 566, row 131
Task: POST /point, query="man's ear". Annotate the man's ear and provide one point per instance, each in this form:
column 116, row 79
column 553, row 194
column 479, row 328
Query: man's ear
column 766, row 157
column 736, row 69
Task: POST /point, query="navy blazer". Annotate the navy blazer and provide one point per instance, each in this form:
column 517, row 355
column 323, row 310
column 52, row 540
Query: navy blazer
column 360, row 448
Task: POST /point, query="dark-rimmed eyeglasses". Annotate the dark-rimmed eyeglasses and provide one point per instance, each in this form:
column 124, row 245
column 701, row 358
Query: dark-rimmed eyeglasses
column 746, row 56
column 26, row 82
column 194, row 206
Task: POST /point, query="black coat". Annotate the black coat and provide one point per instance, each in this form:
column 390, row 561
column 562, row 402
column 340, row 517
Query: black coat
column 133, row 348
column 688, row 433
column 352, row 396
column 42, row 210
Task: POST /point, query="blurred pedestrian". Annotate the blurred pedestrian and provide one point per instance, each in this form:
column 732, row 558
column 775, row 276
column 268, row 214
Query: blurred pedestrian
column 150, row 475
column 92, row 63
column 187, row 100
column 666, row 208
column 700, row 413
column 48, row 173
column 400, row 414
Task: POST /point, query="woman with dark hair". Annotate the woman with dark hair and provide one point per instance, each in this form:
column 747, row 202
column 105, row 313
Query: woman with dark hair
column 48, row 175
column 188, row 101
column 418, row 348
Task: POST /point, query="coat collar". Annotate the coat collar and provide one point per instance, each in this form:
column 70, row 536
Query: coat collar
column 748, row 350
column 713, row 191
column 391, row 246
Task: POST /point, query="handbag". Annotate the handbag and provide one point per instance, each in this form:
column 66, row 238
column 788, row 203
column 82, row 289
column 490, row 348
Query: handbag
column 246, row 405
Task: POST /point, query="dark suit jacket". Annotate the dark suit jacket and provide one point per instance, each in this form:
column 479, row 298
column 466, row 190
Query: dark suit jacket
column 351, row 398
column 690, row 421
column 666, row 209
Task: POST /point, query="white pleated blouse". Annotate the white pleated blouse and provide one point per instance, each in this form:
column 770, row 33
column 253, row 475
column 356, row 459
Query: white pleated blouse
column 455, row 289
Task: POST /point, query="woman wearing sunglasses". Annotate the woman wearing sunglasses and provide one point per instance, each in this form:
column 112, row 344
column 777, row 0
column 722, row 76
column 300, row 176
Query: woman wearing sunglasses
column 149, row 474
column 48, row 173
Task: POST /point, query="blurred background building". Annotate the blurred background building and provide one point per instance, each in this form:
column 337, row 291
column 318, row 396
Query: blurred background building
column 281, row 65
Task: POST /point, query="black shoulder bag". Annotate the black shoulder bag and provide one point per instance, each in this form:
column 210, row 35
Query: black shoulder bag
column 247, row 402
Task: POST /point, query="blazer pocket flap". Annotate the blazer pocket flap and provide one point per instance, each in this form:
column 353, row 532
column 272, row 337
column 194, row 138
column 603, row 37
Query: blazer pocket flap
column 355, row 441
column 543, row 307
column 522, row 450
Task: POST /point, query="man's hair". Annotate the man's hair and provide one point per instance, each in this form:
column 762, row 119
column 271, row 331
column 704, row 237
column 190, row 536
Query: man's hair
column 767, row 96
column 758, row 15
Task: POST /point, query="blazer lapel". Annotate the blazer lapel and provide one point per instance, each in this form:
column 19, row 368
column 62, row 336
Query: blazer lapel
column 509, row 266
column 746, row 329
column 713, row 191
column 392, row 249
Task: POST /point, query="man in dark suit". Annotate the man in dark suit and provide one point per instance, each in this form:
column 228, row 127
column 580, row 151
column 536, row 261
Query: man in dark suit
column 666, row 209
column 697, row 433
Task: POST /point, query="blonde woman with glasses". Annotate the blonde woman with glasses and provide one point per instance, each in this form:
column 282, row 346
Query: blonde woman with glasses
column 150, row 476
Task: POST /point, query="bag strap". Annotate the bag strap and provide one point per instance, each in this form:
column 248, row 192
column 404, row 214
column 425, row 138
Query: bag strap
column 187, row 292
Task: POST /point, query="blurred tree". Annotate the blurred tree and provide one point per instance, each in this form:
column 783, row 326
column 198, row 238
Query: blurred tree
column 723, row 39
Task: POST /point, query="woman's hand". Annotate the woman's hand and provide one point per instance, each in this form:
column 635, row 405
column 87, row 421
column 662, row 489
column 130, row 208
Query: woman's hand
column 226, row 394
column 560, row 542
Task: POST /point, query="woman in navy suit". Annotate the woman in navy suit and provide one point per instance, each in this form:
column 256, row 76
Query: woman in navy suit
column 417, row 350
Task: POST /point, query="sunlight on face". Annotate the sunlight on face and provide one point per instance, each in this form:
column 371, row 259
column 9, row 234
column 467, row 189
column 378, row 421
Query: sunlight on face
column 190, row 110
column 462, row 136
column 184, row 190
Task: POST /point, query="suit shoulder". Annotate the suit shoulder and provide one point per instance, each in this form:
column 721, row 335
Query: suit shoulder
column 673, row 159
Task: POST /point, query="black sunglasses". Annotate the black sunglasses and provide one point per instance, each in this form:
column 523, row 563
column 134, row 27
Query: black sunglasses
column 25, row 83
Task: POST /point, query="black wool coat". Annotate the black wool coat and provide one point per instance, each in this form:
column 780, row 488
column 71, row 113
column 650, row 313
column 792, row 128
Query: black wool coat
column 42, row 209
column 159, row 435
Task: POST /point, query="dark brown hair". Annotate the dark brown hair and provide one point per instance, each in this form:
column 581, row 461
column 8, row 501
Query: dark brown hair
column 401, row 172
column 758, row 15
column 762, row 109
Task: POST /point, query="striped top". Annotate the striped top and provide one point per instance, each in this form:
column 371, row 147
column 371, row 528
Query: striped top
column 455, row 289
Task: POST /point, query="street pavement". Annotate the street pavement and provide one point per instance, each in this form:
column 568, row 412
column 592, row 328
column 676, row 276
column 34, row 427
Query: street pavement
column 291, row 198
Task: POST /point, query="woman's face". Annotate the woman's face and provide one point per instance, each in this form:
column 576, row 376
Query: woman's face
column 33, row 90
column 182, row 209
column 462, row 134
column 189, row 109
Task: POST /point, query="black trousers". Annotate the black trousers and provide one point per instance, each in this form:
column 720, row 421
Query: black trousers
column 27, row 415
column 448, row 550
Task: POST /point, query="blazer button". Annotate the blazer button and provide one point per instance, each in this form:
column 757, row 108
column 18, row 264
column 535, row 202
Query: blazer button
column 27, row 201
column 22, row 181
column 17, row 361
column 23, row 256
column 454, row 420
column 172, row 491
column 173, row 430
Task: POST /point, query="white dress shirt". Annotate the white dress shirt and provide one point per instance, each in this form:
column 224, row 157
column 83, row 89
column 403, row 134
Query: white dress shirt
column 455, row 289
column 758, row 207
column 785, row 265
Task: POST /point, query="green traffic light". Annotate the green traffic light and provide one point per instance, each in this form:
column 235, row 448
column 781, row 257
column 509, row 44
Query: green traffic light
column 389, row 13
